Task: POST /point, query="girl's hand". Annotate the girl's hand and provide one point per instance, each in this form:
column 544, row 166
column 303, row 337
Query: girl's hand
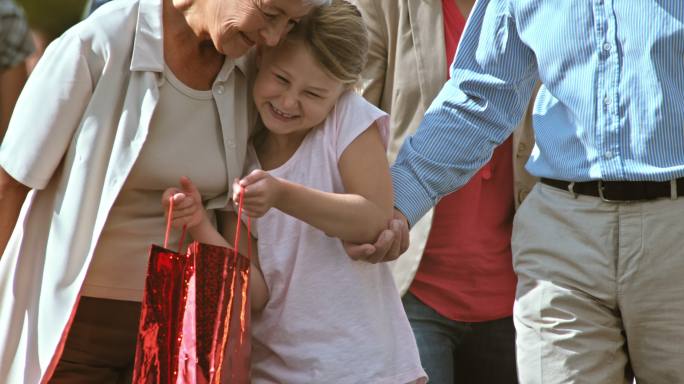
column 187, row 204
column 261, row 192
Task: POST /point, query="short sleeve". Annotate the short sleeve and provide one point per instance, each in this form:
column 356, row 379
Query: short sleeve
column 47, row 113
column 15, row 40
column 352, row 116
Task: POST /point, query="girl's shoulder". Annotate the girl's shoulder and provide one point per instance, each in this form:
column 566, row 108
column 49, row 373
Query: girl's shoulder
column 351, row 104
column 351, row 116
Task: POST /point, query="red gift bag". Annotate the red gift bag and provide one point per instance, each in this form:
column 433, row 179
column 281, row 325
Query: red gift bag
column 194, row 324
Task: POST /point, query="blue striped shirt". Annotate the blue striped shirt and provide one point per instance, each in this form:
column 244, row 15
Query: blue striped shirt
column 611, row 104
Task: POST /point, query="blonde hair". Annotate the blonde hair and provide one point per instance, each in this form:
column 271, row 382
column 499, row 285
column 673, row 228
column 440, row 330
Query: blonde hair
column 337, row 37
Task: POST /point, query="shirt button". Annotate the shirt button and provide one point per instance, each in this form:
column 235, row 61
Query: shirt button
column 231, row 143
column 487, row 173
column 220, row 89
column 607, row 101
column 608, row 155
column 607, row 47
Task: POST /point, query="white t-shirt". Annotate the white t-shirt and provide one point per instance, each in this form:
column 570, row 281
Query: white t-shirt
column 329, row 319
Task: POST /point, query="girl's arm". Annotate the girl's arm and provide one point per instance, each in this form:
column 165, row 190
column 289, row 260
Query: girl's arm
column 206, row 233
column 357, row 216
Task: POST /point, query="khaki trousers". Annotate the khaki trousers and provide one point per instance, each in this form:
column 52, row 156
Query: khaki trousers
column 100, row 347
column 600, row 291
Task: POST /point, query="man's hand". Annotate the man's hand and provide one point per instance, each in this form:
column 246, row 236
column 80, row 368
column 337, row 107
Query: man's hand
column 391, row 243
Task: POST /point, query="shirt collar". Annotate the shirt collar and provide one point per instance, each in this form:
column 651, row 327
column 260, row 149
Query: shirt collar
column 148, row 46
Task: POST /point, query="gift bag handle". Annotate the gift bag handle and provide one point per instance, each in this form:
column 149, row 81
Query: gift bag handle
column 237, row 230
column 168, row 228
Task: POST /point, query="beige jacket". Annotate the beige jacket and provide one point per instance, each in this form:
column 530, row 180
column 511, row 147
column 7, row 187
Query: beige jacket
column 75, row 134
column 406, row 69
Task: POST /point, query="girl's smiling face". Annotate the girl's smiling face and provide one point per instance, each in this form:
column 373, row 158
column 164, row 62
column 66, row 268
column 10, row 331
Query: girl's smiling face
column 293, row 92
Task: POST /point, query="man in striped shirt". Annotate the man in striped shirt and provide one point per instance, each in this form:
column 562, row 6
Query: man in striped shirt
column 597, row 245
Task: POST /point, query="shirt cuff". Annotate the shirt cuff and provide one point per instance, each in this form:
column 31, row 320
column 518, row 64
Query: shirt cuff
column 409, row 195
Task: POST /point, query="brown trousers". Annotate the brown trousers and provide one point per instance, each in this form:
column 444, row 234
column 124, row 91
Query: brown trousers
column 100, row 347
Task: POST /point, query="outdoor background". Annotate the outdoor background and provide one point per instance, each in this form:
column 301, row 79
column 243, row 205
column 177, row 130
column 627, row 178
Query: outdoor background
column 52, row 17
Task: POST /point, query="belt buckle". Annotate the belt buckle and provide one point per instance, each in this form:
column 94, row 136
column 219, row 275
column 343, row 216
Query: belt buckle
column 606, row 200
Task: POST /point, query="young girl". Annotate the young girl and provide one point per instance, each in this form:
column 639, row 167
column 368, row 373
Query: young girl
column 328, row 318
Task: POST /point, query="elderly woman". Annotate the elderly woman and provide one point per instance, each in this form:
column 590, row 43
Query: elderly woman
column 119, row 108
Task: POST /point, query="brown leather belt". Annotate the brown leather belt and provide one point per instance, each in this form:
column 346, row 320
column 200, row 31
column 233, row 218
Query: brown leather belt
column 621, row 191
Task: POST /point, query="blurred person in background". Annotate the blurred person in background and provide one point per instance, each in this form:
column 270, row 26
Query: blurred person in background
column 15, row 47
column 458, row 269
column 118, row 108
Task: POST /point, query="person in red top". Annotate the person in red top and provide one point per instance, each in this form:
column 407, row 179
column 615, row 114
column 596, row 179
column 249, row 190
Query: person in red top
column 460, row 301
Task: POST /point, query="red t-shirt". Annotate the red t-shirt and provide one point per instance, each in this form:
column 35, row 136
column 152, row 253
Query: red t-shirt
column 466, row 272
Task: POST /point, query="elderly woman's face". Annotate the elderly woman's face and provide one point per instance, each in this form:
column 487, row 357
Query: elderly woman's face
column 240, row 24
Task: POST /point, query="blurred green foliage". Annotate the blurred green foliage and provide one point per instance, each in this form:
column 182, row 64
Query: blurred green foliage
column 53, row 17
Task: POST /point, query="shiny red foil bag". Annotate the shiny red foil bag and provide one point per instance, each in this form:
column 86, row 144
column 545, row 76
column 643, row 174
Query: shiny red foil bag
column 194, row 324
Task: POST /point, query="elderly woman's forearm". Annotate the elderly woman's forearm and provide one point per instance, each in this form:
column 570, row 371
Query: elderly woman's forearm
column 12, row 196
